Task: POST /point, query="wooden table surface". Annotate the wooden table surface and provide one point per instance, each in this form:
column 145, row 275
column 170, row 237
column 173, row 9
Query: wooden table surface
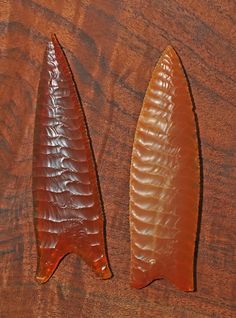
column 112, row 46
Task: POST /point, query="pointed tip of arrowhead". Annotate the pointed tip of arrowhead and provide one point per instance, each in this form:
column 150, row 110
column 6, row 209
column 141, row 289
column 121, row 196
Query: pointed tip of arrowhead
column 54, row 40
column 53, row 35
column 170, row 50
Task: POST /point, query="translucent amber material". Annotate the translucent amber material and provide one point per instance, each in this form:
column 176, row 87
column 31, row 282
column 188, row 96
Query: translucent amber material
column 165, row 180
column 68, row 213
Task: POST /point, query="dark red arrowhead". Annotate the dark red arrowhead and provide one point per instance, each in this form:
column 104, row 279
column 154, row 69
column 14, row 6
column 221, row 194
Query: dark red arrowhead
column 67, row 203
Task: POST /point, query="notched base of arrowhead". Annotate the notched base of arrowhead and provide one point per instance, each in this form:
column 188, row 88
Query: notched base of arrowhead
column 182, row 283
column 49, row 260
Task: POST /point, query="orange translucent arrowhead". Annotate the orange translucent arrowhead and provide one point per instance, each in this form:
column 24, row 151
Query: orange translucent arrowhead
column 165, row 180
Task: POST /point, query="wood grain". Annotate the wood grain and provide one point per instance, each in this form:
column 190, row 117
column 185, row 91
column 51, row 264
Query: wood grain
column 112, row 47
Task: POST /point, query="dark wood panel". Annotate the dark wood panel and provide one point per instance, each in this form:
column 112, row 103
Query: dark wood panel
column 112, row 47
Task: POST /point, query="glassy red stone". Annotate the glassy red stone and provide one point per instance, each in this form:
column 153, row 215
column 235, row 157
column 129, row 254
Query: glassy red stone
column 165, row 180
column 67, row 204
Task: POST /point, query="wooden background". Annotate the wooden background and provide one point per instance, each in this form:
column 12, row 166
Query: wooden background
column 112, row 46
